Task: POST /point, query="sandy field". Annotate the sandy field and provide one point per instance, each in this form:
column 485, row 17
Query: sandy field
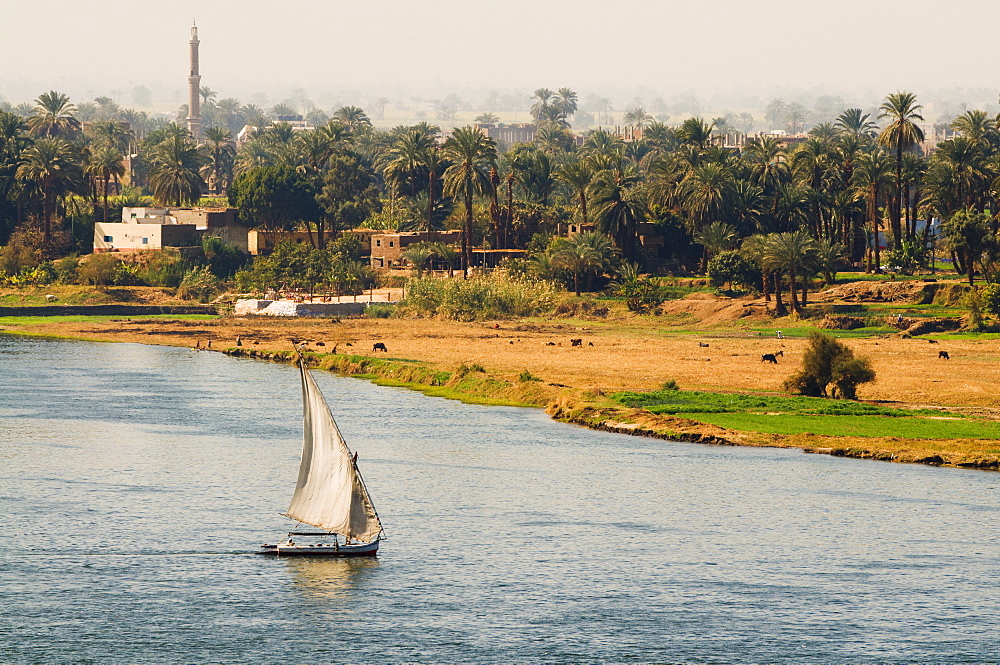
column 637, row 354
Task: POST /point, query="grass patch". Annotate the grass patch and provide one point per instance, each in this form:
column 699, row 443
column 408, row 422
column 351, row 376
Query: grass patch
column 82, row 318
column 859, row 426
column 696, row 401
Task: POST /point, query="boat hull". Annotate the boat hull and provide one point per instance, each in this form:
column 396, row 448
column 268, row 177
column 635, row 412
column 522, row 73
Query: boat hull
column 285, row 549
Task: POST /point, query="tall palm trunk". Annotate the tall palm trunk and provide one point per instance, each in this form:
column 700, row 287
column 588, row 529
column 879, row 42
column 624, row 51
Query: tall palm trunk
column 894, row 212
column 467, row 225
column 495, row 205
column 792, row 285
column 509, row 224
column 431, row 177
column 779, row 305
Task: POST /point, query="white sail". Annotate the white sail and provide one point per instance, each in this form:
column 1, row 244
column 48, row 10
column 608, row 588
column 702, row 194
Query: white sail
column 330, row 493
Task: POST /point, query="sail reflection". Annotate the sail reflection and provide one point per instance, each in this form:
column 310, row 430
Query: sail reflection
column 330, row 578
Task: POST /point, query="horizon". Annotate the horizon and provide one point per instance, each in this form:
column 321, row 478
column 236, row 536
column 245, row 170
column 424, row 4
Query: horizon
column 742, row 61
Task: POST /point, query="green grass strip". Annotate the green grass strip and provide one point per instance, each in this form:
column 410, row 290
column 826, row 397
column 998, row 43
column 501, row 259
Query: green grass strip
column 860, row 426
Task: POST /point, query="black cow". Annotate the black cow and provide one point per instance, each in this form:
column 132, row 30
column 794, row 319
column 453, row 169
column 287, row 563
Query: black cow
column 769, row 358
column 944, row 354
column 703, row 344
column 379, row 346
column 576, row 342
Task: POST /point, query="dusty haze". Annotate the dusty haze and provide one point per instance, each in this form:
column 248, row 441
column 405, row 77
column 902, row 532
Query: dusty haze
column 735, row 53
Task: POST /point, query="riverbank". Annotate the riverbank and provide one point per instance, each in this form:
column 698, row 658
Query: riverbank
column 535, row 363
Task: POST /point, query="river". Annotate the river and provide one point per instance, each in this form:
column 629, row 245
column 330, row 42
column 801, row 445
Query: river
column 137, row 481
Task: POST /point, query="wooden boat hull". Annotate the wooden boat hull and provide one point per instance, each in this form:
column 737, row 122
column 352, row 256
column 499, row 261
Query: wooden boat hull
column 312, row 549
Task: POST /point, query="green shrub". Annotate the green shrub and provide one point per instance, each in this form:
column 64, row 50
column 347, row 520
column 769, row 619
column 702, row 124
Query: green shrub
column 670, row 384
column 99, row 269
column 200, row 284
column 165, row 269
column 989, row 298
column 494, row 296
column 526, row 376
column 379, row 310
column 828, row 361
column 66, row 269
column 734, row 269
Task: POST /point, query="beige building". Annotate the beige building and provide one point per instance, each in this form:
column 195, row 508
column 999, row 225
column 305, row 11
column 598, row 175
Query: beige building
column 157, row 228
column 387, row 248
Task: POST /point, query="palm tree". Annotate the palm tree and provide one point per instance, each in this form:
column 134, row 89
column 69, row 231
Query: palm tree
column 618, row 208
column 222, row 154
column 715, row 237
column 900, row 135
column 105, row 164
column 207, row 94
column 871, row 178
column 418, row 255
column 53, row 116
column 795, row 253
column 566, row 100
column 705, row 193
column 53, row 164
column 487, row 118
column 351, row 116
column 175, row 173
column 231, row 113
column 577, row 255
column 543, row 95
column 578, row 175
column 472, row 152
column 855, row 122
column 637, row 117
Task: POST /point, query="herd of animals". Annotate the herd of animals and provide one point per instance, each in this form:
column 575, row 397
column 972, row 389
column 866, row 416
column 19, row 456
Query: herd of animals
column 578, row 341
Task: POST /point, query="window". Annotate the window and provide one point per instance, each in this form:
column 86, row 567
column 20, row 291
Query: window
column 145, row 241
column 391, row 244
column 108, row 239
column 134, row 215
column 378, row 243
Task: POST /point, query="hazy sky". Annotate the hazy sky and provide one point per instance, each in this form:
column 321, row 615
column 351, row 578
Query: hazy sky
column 868, row 46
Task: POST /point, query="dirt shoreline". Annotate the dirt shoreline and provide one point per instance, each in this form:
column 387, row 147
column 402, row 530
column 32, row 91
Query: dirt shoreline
column 624, row 354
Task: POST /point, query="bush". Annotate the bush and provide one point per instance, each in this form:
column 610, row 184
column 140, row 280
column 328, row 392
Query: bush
column 526, row 376
column 200, row 284
column 493, row 296
column 734, row 269
column 99, row 269
column 66, row 269
column 641, row 293
column 670, row 384
column 989, row 298
column 161, row 268
column 828, row 361
column 379, row 310
column 222, row 259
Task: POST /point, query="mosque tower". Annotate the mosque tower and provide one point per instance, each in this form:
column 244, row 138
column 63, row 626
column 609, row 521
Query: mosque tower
column 194, row 89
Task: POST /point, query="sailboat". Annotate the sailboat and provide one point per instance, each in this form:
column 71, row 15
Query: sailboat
column 330, row 494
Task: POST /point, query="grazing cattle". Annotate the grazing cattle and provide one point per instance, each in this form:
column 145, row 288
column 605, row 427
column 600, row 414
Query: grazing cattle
column 320, row 343
column 932, row 341
column 511, row 341
column 379, row 346
column 769, row 358
column 349, row 344
column 576, row 342
column 944, row 354
column 550, row 343
column 704, row 345
column 590, row 343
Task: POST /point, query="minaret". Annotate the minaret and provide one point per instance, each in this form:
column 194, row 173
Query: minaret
column 194, row 89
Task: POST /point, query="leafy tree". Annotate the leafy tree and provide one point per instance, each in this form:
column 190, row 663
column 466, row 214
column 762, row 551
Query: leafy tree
column 969, row 237
column 828, row 361
column 349, row 195
column 732, row 268
column 274, row 197
column 641, row 293
column 582, row 254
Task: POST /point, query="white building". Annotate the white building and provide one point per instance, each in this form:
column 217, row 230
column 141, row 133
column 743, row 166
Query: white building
column 157, row 228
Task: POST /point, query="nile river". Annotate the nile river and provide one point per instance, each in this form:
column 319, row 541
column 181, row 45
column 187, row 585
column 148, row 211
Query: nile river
column 136, row 481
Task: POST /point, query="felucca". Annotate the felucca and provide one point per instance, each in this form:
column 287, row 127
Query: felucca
column 330, row 494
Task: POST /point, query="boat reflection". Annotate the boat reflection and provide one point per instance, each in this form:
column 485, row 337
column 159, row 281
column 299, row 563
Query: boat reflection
column 330, row 578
